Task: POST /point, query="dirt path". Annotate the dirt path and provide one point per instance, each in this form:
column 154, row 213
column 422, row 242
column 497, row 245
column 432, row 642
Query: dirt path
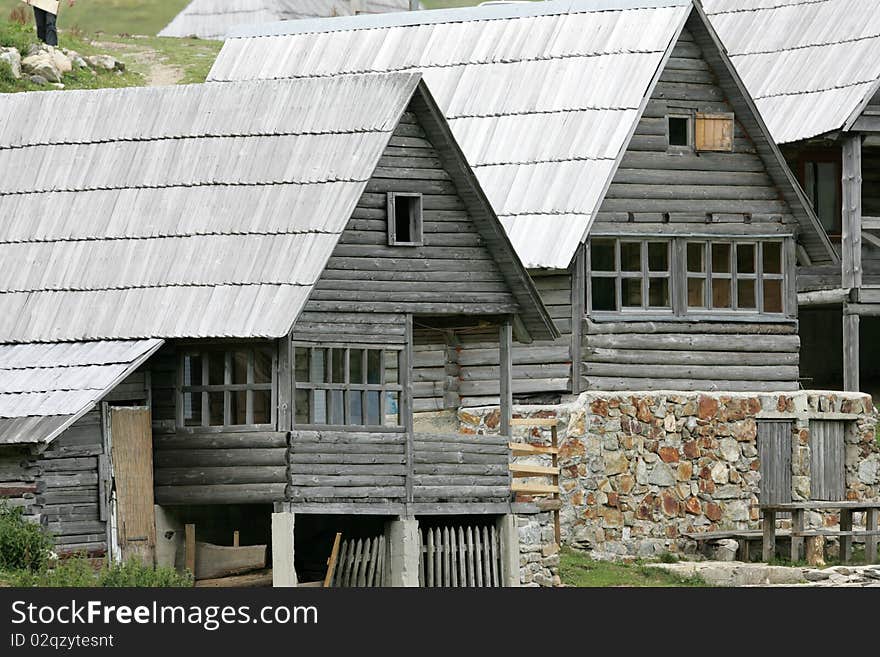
column 146, row 61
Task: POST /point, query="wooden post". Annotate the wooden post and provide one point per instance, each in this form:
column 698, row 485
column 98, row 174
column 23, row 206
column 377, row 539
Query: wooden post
column 557, row 530
column 505, row 348
column 769, row 535
column 850, row 350
column 407, row 404
column 845, row 541
column 236, row 541
column 871, row 540
column 578, row 300
column 285, row 385
column 797, row 527
column 851, row 253
column 189, row 549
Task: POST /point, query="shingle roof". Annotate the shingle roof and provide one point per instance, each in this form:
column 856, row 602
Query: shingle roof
column 811, row 65
column 44, row 388
column 542, row 97
column 193, row 211
column 213, row 19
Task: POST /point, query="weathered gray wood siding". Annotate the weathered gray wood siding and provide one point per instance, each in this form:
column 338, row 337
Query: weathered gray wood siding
column 827, row 460
column 688, row 187
column 368, row 287
column 774, row 451
column 60, row 488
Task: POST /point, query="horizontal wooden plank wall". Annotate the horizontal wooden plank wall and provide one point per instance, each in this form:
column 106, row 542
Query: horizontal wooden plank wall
column 688, row 185
column 335, row 466
column 220, row 468
column 690, row 356
column 61, row 488
column 459, row 468
column 871, row 200
column 368, row 286
column 163, row 381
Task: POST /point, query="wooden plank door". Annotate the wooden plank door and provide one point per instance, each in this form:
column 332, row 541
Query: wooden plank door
column 131, row 438
column 774, row 449
column 827, row 475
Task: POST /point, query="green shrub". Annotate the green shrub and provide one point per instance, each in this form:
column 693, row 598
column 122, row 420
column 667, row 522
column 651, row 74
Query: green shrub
column 134, row 573
column 78, row 571
column 20, row 36
column 23, row 544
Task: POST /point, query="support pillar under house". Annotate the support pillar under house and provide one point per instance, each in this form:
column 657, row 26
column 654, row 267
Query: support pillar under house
column 283, row 571
column 403, row 552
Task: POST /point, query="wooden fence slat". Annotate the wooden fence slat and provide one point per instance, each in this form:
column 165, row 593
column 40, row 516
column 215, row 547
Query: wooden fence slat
column 478, row 570
column 438, row 557
column 462, row 569
column 429, row 559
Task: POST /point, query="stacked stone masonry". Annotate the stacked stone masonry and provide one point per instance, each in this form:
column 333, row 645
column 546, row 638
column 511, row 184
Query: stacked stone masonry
column 639, row 470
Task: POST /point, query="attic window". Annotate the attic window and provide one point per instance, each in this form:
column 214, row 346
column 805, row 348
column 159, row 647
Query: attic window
column 714, row 132
column 404, row 219
column 679, row 131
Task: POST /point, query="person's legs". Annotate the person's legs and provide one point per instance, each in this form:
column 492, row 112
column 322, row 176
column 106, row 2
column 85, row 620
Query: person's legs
column 51, row 31
column 40, row 20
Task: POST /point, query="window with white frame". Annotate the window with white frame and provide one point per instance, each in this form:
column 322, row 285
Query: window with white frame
column 347, row 386
column 642, row 275
column 226, row 387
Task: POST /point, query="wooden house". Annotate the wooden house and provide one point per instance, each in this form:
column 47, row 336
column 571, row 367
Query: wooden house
column 814, row 71
column 631, row 170
column 210, row 300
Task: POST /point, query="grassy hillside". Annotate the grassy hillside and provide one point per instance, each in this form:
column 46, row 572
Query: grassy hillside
column 111, row 16
column 142, row 16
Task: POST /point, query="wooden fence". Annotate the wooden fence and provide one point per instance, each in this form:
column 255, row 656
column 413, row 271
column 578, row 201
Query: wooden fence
column 460, row 556
column 361, row 563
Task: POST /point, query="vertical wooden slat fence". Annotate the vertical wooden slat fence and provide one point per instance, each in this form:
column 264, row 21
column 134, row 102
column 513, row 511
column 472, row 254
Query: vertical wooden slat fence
column 774, row 447
column 827, row 460
column 361, row 563
column 460, row 556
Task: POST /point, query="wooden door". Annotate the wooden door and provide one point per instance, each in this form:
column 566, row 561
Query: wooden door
column 774, row 448
column 131, row 438
column 827, row 449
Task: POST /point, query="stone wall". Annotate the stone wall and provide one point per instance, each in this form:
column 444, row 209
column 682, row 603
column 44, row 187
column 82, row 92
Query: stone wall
column 538, row 551
column 639, row 470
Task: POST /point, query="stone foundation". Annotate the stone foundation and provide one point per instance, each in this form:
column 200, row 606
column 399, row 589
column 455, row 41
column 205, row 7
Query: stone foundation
column 640, row 469
column 538, row 551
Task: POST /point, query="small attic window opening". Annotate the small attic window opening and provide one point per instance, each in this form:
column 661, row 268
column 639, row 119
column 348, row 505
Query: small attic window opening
column 679, row 131
column 404, row 219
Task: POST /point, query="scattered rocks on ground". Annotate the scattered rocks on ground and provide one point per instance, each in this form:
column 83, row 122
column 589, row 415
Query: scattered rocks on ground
column 105, row 62
column 43, row 65
column 38, row 80
column 12, row 58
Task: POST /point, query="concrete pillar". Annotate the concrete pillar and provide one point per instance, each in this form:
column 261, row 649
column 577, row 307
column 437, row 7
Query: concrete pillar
column 283, row 571
column 169, row 538
column 403, row 552
column 509, row 550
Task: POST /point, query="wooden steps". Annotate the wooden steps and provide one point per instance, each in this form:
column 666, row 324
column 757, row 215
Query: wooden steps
column 522, row 474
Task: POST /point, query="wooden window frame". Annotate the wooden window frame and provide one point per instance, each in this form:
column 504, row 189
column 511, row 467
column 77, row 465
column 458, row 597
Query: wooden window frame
column 824, row 155
column 687, row 116
column 416, row 221
column 227, row 388
column 644, row 274
column 348, row 388
column 734, row 276
column 679, row 275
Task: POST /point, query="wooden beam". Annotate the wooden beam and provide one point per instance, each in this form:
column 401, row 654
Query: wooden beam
column 526, row 448
column 406, row 379
column 505, row 349
column 528, row 470
column 851, row 235
column 189, row 550
column 533, row 489
column 534, row 422
column 850, row 352
column 578, row 300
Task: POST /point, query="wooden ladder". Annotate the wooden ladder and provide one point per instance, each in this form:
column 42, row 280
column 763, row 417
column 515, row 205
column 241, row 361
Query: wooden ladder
column 527, row 471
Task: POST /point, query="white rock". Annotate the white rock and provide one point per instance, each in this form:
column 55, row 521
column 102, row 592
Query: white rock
column 12, row 58
column 730, row 449
column 42, row 64
column 104, row 62
column 719, row 473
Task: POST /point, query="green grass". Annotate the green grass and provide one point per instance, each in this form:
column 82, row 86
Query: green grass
column 191, row 57
column 110, row 16
column 580, row 570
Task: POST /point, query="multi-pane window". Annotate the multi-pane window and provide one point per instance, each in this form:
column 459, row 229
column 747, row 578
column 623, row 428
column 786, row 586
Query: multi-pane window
column 226, row 387
column 637, row 274
column 347, row 386
column 629, row 274
column 735, row 275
